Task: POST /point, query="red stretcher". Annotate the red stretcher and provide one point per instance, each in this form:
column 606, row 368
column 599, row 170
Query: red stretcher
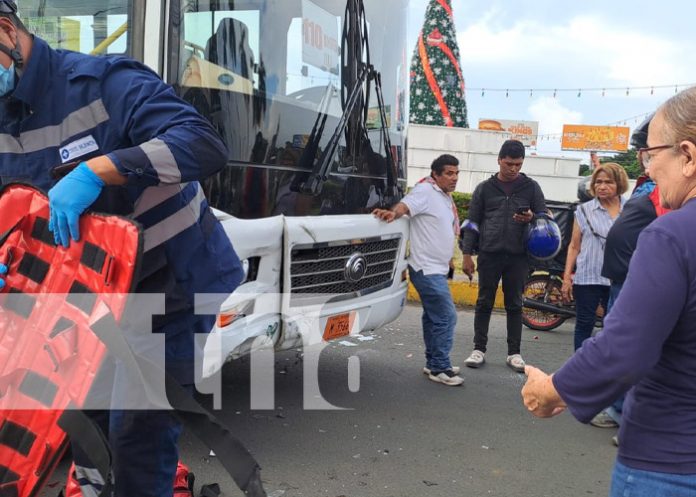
column 48, row 353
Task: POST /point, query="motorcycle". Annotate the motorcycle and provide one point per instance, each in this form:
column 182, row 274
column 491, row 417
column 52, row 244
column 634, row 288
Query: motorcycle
column 543, row 306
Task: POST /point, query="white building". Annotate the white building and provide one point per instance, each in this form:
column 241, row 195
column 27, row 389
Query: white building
column 477, row 152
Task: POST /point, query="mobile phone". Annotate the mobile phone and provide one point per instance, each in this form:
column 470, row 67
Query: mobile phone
column 59, row 172
column 522, row 210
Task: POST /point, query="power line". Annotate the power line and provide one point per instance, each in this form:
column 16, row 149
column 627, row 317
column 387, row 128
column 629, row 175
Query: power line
column 579, row 91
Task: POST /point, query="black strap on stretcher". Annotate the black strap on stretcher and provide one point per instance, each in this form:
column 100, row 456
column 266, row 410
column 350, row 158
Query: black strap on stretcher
column 231, row 453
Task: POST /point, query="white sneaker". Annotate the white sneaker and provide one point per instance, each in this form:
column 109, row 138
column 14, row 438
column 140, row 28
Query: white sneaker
column 454, row 369
column 476, row 359
column 516, row 362
column 448, row 378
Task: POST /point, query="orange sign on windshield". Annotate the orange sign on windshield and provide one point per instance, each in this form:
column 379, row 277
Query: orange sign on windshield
column 595, row 138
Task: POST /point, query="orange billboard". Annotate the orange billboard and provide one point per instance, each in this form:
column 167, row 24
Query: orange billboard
column 595, row 138
column 524, row 131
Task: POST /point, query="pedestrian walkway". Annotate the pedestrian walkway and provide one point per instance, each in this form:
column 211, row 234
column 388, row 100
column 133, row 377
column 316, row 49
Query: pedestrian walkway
column 464, row 292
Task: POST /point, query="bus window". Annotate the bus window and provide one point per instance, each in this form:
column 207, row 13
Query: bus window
column 219, row 50
column 267, row 74
column 247, row 66
column 97, row 27
column 313, row 55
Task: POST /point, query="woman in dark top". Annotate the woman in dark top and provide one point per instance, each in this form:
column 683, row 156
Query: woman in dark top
column 648, row 346
column 641, row 210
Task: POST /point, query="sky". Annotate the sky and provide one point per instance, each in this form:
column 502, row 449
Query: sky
column 546, row 44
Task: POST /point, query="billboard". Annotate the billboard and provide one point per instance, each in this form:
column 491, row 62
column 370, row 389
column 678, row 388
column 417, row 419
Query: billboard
column 374, row 120
column 320, row 34
column 595, row 138
column 524, row 131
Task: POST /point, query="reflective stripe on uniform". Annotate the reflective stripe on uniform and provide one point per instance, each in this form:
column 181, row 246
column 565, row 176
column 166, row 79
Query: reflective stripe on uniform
column 162, row 160
column 171, row 226
column 155, row 195
column 90, row 480
column 77, row 122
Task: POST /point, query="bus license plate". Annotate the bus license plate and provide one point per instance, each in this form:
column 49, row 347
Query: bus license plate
column 338, row 326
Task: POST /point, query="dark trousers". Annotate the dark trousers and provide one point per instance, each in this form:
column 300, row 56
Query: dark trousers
column 144, row 451
column 512, row 269
column 587, row 298
column 143, row 442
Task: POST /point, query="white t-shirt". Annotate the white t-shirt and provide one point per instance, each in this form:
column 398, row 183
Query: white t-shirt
column 432, row 231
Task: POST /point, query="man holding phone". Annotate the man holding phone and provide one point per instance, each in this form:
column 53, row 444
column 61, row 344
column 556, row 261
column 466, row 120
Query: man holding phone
column 500, row 209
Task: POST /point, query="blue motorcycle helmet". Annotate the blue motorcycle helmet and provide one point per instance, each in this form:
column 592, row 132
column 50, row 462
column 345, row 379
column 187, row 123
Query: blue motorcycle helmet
column 543, row 238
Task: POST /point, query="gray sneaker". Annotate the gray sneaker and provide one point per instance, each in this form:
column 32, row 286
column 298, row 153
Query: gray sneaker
column 603, row 420
column 476, row 359
column 516, row 362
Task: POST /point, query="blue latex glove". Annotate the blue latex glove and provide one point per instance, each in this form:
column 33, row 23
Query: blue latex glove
column 3, row 270
column 68, row 199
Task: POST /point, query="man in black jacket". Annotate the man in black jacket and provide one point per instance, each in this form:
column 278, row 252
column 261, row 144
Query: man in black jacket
column 500, row 209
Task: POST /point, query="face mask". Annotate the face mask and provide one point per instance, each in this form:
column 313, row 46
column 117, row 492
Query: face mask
column 7, row 79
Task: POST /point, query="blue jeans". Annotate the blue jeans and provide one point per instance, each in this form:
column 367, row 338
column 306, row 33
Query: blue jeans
column 439, row 318
column 629, row 482
column 587, row 298
column 614, row 411
column 614, row 291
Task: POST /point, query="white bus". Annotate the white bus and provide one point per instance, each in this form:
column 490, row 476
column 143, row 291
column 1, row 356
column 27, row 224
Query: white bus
column 310, row 97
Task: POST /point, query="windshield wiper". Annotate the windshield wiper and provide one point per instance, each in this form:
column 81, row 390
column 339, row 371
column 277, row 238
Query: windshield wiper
column 391, row 162
column 354, row 45
column 306, row 161
column 318, row 176
column 310, row 151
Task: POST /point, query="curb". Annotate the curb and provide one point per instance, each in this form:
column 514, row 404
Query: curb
column 463, row 294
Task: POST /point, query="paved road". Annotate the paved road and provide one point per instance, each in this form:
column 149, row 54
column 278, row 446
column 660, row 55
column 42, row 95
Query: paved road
column 405, row 436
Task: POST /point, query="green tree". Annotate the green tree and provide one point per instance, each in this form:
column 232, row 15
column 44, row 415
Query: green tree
column 462, row 201
column 629, row 161
column 437, row 84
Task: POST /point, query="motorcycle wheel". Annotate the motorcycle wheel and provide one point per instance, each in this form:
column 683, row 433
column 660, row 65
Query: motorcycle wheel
column 538, row 287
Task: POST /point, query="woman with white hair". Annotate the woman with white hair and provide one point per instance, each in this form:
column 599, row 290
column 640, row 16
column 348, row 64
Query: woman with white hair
column 648, row 346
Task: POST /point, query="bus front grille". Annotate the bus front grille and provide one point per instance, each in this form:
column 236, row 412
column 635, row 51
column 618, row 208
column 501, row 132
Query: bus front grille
column 335, row 269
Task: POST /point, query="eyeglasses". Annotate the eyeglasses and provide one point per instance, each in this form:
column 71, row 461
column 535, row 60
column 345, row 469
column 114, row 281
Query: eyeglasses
column 8, row 7
column 644, row 157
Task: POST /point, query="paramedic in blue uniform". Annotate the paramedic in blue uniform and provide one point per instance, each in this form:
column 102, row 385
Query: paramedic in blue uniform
column 141, row 152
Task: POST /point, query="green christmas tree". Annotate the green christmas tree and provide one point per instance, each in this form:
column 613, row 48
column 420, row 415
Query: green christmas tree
column 437, row 84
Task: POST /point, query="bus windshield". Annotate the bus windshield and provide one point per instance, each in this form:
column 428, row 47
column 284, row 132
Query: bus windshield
column 263, row 71
column 98, row 26
column 283, row 82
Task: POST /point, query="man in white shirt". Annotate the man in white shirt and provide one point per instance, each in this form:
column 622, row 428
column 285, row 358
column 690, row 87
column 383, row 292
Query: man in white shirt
column 434, row 229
